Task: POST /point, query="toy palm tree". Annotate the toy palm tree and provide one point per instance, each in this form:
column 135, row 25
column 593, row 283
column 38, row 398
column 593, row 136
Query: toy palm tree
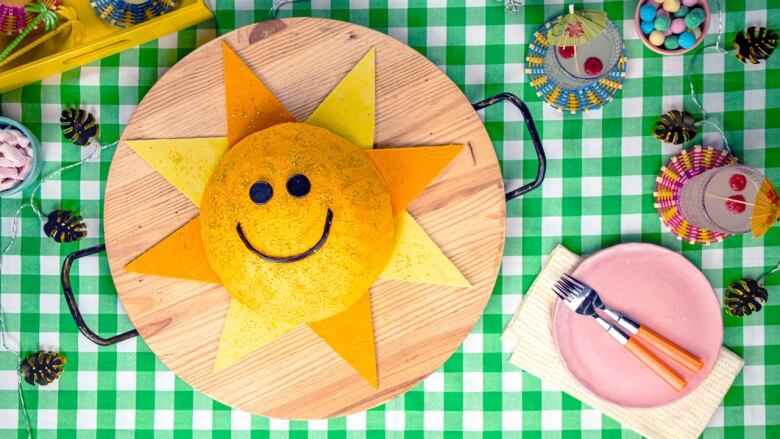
column 43, row 14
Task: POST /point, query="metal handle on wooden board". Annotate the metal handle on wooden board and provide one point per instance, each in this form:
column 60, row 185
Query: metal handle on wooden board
column 529, row 123
column 74, row 307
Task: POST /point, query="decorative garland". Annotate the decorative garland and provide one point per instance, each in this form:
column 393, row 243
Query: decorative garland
column 43, row 368
column 752, row 45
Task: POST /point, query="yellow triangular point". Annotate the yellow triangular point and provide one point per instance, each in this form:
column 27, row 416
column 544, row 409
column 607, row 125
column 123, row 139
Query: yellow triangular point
column 246, row 331
column 351, row 335
column 407, row 171
column 349, row 109
column 181, row 255
column 417, row 258
column 185, row 163
column 250, row 104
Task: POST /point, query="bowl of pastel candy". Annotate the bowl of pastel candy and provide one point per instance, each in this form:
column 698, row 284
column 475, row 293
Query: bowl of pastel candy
column 672, row 27
column 20, row 160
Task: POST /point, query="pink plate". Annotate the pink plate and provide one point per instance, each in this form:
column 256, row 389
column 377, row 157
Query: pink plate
column 654, row 286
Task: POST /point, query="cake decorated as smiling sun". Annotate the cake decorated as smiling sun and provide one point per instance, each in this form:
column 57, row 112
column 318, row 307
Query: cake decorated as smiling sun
column 298, row 219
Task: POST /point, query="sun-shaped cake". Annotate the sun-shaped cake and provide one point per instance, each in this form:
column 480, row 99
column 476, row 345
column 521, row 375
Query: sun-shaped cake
column 298, row 220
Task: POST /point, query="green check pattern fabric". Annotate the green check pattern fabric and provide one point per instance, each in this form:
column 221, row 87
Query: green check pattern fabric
column 598, row 192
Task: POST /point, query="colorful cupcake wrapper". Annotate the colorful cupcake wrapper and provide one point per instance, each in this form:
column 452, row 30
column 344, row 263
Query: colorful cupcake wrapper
column 123, row 14
column 592, row 96
column 13, row 19
column 687, row 164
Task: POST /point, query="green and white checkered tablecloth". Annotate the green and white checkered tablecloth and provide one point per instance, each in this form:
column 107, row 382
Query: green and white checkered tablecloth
column 598, row 192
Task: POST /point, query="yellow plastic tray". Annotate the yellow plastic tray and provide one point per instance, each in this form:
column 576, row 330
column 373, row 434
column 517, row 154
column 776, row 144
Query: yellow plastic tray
column 101, row 39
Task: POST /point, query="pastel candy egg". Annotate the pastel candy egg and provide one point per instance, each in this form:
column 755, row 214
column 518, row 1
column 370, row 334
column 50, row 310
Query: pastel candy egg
column 690, row 3
column 671, row 42
column 682, row 12
column 658, row 1
column 662, row 22
column 657, row 37
column 647, row 12
column 695, row 18
column 678, row 26
column 668, row 32
column 647, row 27
column 686, row 40
column 671, row 5
column 661, row 12
column 696, row 32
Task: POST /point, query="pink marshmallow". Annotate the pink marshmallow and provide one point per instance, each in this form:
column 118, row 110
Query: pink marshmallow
column 8, row 183
column 690, row 3
column 678, row 25
column 14, row 154
column 9, row 173
column 24, row 171
column 668, row 32
column 20, row 138
column 660, row 12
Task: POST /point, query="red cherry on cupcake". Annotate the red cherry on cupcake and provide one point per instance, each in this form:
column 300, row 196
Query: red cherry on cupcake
column 736, row 204
column 593, row 66
column 738, row 182
column 566, row 52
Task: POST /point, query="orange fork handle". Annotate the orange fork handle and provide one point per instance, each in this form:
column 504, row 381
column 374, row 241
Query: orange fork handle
column 667, row 347
column 662, row 370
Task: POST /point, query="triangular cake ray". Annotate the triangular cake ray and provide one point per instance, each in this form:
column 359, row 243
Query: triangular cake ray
column 186, row 163
column 351, row 335
column 408, row 171
column 180, row 255
column 246, row 331
column 417, row 258
column 250, row 105
column 349, row 108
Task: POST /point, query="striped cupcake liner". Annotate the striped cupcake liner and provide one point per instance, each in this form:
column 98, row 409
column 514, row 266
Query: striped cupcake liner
column 13, row 19
column 681, row 168
column 592, row 95
column 124, row 14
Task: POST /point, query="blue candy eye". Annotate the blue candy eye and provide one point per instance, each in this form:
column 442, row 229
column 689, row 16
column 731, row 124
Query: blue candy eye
column 261, row 192
column 298, row 186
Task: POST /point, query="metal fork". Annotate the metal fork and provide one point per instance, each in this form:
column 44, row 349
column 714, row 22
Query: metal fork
column 641, row 332
column 585, row 301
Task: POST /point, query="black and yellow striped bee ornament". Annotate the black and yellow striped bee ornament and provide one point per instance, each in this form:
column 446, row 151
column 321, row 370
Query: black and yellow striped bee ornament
column 675, row 127
column 42, row 368
column 65, row 226
column 755, row 44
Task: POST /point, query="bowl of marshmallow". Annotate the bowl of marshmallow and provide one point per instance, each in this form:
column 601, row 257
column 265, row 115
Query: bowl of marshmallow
column 672, row 27
column 20, row 157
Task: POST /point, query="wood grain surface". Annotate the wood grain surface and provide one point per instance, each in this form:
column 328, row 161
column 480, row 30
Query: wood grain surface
column 417, row 326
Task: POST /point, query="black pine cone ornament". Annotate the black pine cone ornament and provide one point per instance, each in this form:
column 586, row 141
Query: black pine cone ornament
column 42, row 367
column 675, row 127
column 744, row 297
column 65, row 226
column 755, row 44
column 78, row 126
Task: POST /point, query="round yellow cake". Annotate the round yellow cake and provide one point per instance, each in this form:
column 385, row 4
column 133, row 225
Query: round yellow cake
column 301, row 257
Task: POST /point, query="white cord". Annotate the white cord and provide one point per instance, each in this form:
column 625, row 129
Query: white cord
column 694, row 96
column 14, row 231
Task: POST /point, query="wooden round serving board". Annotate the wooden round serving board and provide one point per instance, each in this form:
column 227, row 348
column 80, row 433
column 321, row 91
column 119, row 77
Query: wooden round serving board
column 416, row 326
